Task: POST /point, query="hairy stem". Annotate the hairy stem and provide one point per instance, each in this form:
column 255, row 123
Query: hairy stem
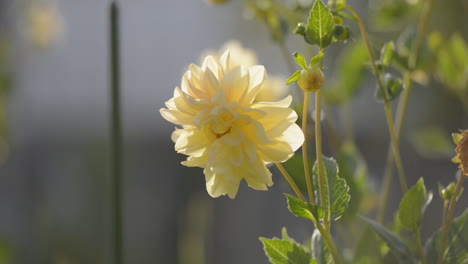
column 327, row 238
column 448, row 222
column 318, row 145
column 387, row 106
column 420, row 246
column 403, row 103
column 290, row 181
column 305, row 157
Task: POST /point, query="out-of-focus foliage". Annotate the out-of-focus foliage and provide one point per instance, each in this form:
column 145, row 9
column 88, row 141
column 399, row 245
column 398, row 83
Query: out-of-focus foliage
column 432, row 142
column 351, row 67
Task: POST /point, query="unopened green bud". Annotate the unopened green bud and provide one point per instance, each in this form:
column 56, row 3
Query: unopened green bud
column 300, row 29
column 447, row 193
column 311, row 80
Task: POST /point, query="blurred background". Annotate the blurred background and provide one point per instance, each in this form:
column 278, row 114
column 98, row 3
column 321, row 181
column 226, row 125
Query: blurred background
column 54, row 132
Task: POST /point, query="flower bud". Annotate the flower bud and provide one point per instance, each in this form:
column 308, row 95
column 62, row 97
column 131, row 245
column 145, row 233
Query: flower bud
column 462, row 152
column 447, row 193
column 311, row 79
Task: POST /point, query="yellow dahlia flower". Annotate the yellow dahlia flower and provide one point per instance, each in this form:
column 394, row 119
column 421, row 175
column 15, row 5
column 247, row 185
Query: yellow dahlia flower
column 273, row 87
column 224, row 131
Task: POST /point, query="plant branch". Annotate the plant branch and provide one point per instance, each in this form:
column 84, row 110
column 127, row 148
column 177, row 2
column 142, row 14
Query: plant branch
column 403, row 102
column 387, row 106
column 448, row 222
column 305, row 157
column 318, row 145
column 420, row 246
column 290, row 181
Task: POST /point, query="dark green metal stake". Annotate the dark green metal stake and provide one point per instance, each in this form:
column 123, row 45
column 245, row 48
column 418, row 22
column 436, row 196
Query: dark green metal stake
column 116, row 136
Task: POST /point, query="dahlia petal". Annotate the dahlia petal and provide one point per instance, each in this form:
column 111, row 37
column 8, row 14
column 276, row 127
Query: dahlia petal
column 192, row 143
column 257, row 76
column 217, row 184
column 176, row 117
column 278, row 152
column 234, row 138
column 235, row 83
column 196, row 161
column 209, row 82
column 293, row 136
column 283, row 103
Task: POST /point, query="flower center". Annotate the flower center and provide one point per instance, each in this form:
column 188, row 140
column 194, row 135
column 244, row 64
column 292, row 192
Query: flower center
column 222, row 121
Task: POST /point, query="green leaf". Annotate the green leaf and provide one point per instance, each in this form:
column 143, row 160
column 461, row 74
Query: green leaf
column 458, row 246
column 284, row 234
column 367, row 250
column 413, row 205
column 432, row 142
column 320, row 26
column 316, row 59
column 286, row 252
column 386, row 53
column 393, row 87
column 394, row 242
column 305, row 210
column 293, row 78
column 336, row 192
column 353, row 169
column 300, row 60
column 320, row 251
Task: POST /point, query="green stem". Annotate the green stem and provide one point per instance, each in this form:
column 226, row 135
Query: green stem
column 448, row 222
column 116, row 136
column 327, row 238
column 290, row 181
column 403, row 102
column 420, row 246
column 305, row 157
column 387, row 106
column 318, row 145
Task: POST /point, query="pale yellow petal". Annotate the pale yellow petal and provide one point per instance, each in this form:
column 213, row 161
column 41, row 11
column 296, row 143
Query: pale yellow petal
column 234, row 138
column 293, row 136
column 176, row 117
column 281, row 103
column 211, row 63
column 192, row 143
column 235, row 83
column 257, row 76
column 277, row 152
column 217, row 184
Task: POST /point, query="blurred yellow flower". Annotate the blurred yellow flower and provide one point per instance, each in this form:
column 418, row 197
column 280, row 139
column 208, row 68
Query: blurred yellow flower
column 273, row 88
column 225, row 131
column 45, row 24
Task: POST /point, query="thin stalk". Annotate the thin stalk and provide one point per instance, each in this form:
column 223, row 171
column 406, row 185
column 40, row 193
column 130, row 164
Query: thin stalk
column 305, row 156
column 420, row 246
column 448, row 222
column 387, row 106
column 327, row 238
column 116, row 136
column 403, row 102
column 318, row 145
column 290, row 181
